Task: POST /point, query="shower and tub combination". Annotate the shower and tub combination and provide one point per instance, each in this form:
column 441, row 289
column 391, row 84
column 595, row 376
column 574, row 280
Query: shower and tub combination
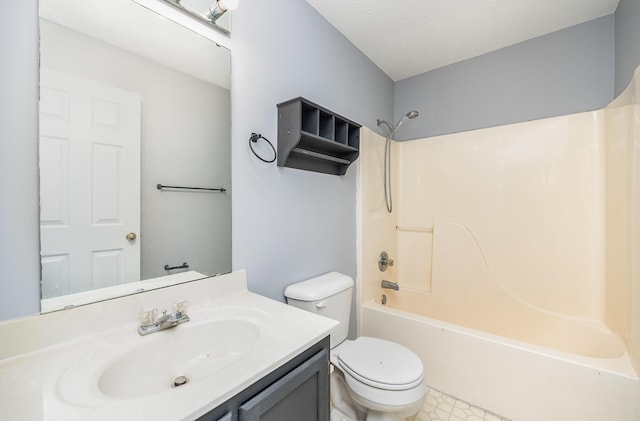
column 515, row 254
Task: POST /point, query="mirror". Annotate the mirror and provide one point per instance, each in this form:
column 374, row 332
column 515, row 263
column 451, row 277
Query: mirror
column 135, row 152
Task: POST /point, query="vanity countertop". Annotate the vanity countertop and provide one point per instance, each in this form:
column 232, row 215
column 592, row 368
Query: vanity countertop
column 52, row 365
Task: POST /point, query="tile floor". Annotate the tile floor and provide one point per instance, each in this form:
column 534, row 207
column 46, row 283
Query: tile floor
column 439, row 406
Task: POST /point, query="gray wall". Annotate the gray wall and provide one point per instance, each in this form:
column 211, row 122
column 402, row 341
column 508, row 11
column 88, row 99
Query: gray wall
column 564, row 72
column 19, row 232
column 627, row 18
column 289, row 224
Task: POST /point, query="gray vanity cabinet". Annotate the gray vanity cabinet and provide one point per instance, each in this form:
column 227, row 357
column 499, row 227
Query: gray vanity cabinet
column 298, row 390
column 296, row 393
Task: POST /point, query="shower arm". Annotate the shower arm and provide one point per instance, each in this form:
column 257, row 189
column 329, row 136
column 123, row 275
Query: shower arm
column 386, row 123
column 392, row 129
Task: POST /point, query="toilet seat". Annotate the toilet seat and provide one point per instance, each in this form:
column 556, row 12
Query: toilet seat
column 381, row 364
column 381, row 375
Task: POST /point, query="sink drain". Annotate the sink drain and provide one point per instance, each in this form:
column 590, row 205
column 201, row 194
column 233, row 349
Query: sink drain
column 180, row 381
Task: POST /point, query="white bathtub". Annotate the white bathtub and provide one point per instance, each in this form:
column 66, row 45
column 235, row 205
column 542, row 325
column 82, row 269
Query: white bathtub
column 516, row 379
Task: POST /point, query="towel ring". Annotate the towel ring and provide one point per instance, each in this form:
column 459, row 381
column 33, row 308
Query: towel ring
column 254, row 139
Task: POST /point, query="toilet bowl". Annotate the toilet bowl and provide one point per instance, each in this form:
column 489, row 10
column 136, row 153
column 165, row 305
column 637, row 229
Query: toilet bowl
column 384, row 379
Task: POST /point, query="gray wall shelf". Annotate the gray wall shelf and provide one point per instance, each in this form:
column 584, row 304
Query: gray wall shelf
column 312, row 138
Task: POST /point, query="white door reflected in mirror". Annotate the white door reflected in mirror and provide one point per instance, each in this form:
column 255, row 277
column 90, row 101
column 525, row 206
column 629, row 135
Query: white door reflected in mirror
column 90, row 184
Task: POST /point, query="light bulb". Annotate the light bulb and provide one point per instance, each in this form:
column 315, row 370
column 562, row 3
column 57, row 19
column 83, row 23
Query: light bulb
column 221, row 7
column 228, row 4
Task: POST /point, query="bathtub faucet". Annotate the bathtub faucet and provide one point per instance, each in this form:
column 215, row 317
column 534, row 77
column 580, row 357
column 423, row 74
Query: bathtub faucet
column 384, row 261
column 390, row 285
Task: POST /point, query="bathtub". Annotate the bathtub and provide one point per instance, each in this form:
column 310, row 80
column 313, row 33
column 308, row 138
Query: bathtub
column 512, row 377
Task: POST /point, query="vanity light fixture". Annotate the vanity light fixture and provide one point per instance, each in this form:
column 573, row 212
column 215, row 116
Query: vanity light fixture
column 208, row 11
column 221, row 6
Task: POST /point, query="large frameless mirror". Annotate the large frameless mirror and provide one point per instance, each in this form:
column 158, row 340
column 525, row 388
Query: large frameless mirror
column 135, row 165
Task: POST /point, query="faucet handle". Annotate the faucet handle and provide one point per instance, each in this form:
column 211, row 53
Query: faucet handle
column 181, row 307
column 147, row 317
column 384, row 261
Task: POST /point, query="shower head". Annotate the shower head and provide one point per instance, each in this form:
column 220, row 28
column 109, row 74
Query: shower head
column 408, row 116
column 387, row 154
column 392, row 129
column 412, row 114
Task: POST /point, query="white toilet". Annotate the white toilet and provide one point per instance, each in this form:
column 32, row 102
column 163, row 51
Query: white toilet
column 384, row 379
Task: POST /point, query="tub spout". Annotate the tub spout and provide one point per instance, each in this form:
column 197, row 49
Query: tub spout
column 390, row 285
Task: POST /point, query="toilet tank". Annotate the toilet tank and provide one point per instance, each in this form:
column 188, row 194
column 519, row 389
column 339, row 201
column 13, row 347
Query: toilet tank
column 328, row 295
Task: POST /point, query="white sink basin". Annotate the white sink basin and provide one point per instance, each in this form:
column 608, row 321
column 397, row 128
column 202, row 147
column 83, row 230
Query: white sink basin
column 191, row 351
column 126, row 366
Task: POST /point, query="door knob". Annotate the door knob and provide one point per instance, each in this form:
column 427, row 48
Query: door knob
column 131, row 236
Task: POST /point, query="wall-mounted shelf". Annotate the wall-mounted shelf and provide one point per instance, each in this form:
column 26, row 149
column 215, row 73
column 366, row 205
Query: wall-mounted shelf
column 313, row 138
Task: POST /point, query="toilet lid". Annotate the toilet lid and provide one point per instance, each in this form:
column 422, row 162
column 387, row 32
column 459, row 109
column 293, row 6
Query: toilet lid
column 382, row 364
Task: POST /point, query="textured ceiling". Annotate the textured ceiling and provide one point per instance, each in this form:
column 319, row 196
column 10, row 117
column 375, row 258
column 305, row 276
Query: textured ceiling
column 408, row 37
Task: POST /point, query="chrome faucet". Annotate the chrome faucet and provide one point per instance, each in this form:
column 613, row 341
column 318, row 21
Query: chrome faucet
column 390, row 285
column 149, row 323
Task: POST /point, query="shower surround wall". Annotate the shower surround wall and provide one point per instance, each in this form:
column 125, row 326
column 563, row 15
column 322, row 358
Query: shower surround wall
column 529, row 231
column 623, row 217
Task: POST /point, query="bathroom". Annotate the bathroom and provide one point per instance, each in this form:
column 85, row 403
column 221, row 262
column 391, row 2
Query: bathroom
column 290, row 225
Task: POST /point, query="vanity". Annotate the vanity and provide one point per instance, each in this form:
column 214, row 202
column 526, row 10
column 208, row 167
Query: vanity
column 241, row 356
